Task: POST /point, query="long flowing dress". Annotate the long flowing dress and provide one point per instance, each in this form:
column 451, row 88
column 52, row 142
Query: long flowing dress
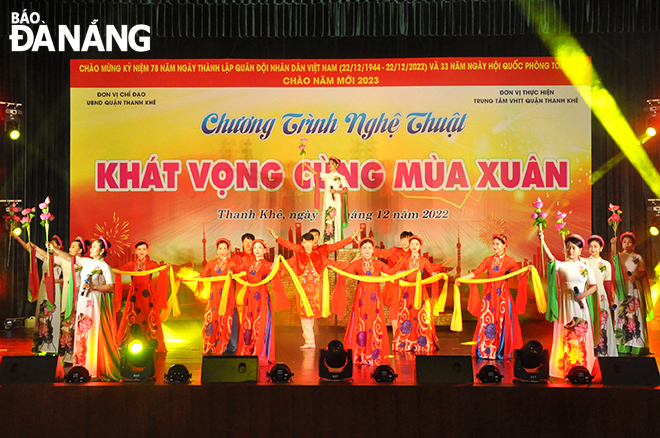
column 96, row 329
column 498, row 331
column 334, row 207
column 46, row 338
column 606, row 341
column 415, row 329
column 572, row 339
column 216, row 332
column 71, row 274
column 366, row 333
column 255, row 337
column 143, row 305
column 630, row 330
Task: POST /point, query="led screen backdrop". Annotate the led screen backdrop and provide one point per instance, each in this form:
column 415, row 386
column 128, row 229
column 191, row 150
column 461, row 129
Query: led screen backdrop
column 175, row 150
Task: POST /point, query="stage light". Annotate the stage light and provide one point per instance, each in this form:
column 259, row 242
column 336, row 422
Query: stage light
column 13, row 121
column 384, row 374
column 137, row 359
column 530, row 363
column 17, row 231
column 279, row 373
column 489, row 374
column 135, row 346
column 178, row 373
column 77, row 374
column 335, row 363
column 654, row 229
column 652, row 124
column 579, row 375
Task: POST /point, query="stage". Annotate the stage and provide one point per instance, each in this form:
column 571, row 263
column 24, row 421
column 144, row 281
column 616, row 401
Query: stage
column 305, row 406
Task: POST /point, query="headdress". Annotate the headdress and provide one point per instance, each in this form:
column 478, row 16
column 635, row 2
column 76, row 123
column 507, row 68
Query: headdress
column 628, row 234
column 222, row 239
column 598, row 238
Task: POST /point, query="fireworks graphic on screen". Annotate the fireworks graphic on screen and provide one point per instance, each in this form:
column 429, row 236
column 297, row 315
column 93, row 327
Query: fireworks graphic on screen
column 117, row 233
column 493, row 225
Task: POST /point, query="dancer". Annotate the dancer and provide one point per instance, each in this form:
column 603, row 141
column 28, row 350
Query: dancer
column 246, row 255
column 324, row 249
column 96, row 329
column 256, row 329
column 394, row 257
column 633, row 303
column 366, row 333
column 144, row 301
column 415, row 330
column 600, row 306
column 572, row 340
column 334, row 214
column 46, row 337
column 217, row 329
column 309, row 266
column 498, row 330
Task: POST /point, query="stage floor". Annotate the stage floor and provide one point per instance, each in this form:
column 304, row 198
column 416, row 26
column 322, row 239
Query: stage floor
column 184, row 347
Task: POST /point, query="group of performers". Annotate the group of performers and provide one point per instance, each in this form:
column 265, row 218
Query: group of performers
column 595, row 309
column 77, row 304
column 592, row 314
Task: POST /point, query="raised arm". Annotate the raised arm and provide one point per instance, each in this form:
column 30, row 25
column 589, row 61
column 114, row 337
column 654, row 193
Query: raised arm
column 21, row 241
column 546, row 250
column 613, row 251
column 310, row 168
column 65, row 255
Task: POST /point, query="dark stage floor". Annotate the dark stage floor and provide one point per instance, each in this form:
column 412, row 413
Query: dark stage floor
column 184, row 347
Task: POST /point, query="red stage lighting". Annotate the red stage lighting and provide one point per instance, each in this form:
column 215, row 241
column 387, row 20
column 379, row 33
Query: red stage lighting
column 652, row 124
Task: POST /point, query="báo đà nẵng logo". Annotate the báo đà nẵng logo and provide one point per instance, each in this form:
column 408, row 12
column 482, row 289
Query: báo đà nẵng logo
column 29, row 32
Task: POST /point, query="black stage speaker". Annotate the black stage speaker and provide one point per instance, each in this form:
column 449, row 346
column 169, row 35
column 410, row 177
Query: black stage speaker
column 635, row 371
column 444, row 369
column 30, row 369
column 229, row 369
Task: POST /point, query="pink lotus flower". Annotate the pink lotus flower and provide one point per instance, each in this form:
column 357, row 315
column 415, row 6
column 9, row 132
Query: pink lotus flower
column 615, row 218
column 25, row 211
column 544, row 215
column 14, row 209
column 47, row 216
column 535, row 215
column 302, row 146
column 560, row 215
column 43, row 205
column 47, row 201
column 613, row 207
column 560, row 225
column 25, row 219
column 538, row 203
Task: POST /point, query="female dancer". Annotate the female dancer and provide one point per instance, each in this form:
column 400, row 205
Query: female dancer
column 144, row 301
column 602, row 320
column 256, row 332
column 498, row 330
column 572, row 340
column 632, row 311
column 415, row 329
column 334, row 213
column 217, row 329
column 94, row 345
column 46, row 338
column 366, row 333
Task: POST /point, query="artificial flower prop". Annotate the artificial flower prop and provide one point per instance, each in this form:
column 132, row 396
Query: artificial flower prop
column 614, row 220
column 46, row 216
column 538, row 215
column 561, row 225
column 302, row 146
column 28, row 214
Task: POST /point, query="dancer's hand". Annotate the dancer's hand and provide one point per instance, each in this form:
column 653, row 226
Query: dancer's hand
column 270, row 230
